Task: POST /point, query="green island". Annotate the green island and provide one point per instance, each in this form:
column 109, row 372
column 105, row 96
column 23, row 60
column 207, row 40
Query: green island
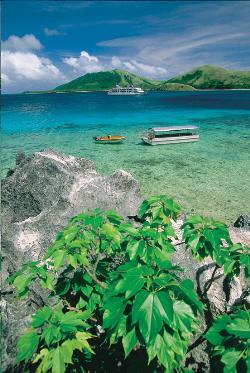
column 204, row 77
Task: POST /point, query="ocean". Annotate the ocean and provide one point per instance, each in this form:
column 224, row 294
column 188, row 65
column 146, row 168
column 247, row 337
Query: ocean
column 210, row 177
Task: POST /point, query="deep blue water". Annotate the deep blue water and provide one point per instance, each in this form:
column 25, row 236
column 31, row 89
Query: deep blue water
column 211, row 176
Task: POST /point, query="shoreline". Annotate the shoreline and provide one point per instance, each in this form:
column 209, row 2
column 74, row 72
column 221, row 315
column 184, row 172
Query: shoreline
column 104, row 91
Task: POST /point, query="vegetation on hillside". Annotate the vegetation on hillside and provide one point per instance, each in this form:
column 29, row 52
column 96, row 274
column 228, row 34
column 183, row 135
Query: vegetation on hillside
column 204, row 77
column 115, row 287
column 213, row 77
column 165, row 86
column 105, row 80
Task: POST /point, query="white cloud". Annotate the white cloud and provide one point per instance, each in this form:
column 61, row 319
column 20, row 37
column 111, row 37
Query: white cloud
column 116, row 62
column 20, row 66
column 139, row 67
column 23, row 69
column 52, row 32
column 85, row 63
column 191, row 35
column 26, row 43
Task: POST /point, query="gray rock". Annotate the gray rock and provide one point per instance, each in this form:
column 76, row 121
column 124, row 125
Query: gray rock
column 243, row 221
column 20, row 157
column 49, row 188
column 38, row 198
column 218, row 300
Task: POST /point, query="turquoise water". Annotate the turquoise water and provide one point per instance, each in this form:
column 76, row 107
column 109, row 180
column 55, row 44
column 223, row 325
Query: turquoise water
column 211, row 176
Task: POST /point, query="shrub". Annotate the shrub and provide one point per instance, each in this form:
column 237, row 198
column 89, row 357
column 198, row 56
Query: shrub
column 110, row 275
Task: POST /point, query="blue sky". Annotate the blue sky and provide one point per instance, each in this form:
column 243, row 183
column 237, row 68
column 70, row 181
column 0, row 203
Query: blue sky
column 46, row 43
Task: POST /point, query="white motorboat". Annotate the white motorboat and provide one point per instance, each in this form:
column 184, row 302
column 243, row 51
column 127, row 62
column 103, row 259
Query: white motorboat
column 121, row 91
column 171, row 135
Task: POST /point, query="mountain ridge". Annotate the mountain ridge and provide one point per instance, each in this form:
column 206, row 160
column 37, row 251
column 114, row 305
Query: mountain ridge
column 202, row 77
column 105, row 80
column 214, row 77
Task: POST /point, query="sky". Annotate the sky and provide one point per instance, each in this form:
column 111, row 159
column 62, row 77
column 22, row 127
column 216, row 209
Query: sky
column 47, row 43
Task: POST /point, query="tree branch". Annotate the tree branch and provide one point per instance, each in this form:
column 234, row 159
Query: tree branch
column 206, row 288
column 95, row 279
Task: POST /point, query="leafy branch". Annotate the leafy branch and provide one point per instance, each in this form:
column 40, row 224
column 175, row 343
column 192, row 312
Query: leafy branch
column 111, row 275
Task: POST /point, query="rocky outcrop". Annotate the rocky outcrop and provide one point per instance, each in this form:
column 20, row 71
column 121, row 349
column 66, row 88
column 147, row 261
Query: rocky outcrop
column 243, row 221
column 46, row 190
column 38, row 198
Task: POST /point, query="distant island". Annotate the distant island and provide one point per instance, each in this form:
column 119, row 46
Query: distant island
column 203, row 77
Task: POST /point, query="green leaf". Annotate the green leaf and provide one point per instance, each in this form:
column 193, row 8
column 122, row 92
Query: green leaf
column 128, row 228
column 71, row 233
column 26, row 346
column 70, row 321
column 113, row 217
column 184, row 317
column 50, row 281
column 165, row 306
column 143, row 208
column 188, row 294
column 73, row 260
column 239, row 327
column 160, row 349
column 145, row 311
column 21, row 282
column 135, row 248
column 213, row 237
column 230, row 359
column 58, row 360
column 46, row 356
column 62, row 287
column 130, row 284
column 51, row 334
column 59, row 257
column 111, row 232
column 175, row 343
column 82, row 338
column 153, row 347
column 214, row 337
column 193, row 241
column 114, row 308
column 195, row 219
column 165, row 279
column 228, row 266
column 41, row 316
column 129, row 341
column 67, row 348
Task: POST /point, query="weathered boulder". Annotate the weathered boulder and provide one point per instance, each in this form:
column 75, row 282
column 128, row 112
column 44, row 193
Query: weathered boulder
column 38, row 198
column 243, row 221
column 46, row 190
column 219, row 297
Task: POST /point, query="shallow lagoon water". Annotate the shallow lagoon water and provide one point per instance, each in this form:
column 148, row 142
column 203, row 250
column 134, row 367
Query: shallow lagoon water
column 209, row 177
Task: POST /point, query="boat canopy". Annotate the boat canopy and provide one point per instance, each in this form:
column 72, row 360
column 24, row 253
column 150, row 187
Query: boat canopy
column 173, row 128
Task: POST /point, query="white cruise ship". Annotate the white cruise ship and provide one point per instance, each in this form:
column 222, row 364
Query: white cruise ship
column 131, row 90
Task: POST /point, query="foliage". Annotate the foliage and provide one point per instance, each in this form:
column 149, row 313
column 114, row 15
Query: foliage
column 207, row 77
column 110, row 275
column 204, row 77
column 230, row 340
column 206, row 237
column 146, row 305
column 104, row 80
column 52, row 339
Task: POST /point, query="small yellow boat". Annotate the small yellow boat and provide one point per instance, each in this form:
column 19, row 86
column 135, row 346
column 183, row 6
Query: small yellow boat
column 109, row 139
